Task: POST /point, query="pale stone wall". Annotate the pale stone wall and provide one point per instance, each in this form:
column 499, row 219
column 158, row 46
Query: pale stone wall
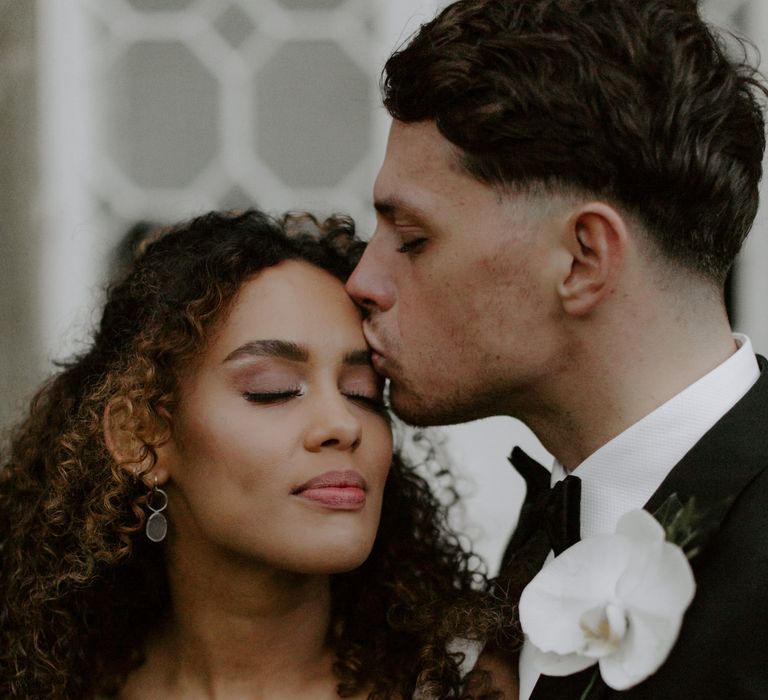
column 19, row 234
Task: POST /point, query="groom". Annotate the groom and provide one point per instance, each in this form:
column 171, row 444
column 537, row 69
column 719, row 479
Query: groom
column 566, row 185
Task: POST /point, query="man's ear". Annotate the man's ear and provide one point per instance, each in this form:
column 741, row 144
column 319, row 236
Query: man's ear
column 126, row 430
column 596, row 238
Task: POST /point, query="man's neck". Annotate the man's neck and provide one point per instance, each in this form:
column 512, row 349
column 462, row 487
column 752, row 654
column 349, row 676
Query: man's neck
column 597, row 395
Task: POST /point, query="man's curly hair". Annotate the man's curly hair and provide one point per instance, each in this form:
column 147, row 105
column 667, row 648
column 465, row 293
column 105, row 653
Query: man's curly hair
column 636, row 101
column 80, row 586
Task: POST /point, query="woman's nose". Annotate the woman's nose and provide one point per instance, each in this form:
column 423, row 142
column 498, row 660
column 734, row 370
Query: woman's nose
column 333, row 425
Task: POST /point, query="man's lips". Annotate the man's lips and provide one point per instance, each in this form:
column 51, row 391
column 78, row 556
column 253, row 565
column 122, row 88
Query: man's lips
column 338, row 490
column 378, row 358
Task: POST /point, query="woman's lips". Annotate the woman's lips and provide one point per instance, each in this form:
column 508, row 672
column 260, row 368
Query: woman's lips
column 336, row 490
column 346, row 498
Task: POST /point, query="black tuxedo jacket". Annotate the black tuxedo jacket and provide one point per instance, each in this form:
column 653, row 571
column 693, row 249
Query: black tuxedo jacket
column 722, row 650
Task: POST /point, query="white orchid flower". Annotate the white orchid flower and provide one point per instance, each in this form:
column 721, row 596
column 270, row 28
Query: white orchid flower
column 617, row 600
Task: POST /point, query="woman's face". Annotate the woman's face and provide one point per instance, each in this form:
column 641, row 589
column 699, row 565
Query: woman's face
column 280, row 447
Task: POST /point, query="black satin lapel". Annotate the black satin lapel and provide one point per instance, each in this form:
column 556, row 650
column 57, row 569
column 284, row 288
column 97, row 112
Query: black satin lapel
column 569, row 687
column 725, row 460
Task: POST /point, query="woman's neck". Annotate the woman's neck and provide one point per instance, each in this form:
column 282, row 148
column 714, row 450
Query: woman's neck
column 240, row 630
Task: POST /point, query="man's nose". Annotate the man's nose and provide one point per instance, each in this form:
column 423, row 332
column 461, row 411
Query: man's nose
column 371, row 285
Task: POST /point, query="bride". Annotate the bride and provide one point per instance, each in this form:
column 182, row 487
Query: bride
column 206, row 503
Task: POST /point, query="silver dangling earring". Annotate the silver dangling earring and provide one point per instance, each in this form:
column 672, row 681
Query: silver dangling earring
column 157, row 524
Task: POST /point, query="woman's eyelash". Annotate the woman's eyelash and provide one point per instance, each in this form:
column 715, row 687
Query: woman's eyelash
column 267, row 397
column 271, row 396
column 377, row 403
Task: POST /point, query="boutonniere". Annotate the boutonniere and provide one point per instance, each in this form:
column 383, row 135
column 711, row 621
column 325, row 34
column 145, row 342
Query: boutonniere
column 615, row 600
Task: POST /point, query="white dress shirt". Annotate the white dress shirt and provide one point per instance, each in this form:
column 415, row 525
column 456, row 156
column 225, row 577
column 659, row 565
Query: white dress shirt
column 624, row 473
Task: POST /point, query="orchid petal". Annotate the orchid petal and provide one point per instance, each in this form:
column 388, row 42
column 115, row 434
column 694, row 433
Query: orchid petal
column 581, row 578
column 664, row 586
column 551, row 664
column 616, row 599
column 640, row 525
column 647, row 645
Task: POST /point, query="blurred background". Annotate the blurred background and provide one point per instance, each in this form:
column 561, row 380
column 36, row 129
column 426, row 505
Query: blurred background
column 118, row 111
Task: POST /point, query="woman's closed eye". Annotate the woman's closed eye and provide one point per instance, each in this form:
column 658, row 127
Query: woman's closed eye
column 375, row 401
column 272, row 396
column 363, row 386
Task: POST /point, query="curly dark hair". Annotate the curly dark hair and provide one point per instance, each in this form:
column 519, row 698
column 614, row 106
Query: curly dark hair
column 635, row 101
column 78, row 584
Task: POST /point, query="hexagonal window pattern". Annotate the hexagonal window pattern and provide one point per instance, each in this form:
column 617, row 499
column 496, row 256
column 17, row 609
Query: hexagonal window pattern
column 313, row 113
column 236, row 198
column 309, row 4
column 160, row 5
column 234, row 25
column 163, row 126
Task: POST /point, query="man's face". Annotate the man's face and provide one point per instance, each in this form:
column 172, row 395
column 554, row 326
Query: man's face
column 458, row 281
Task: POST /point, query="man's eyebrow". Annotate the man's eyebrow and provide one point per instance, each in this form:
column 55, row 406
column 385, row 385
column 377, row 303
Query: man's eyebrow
column 389, row 206
column 283, row 349
column 384, row 207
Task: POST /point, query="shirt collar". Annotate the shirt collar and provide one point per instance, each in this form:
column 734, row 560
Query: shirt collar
column 625, row 472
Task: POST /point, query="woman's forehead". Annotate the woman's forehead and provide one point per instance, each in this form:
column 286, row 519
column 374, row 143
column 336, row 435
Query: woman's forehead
column 294, row 302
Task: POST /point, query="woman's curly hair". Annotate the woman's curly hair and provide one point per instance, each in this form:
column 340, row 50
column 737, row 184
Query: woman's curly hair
column 80, row 588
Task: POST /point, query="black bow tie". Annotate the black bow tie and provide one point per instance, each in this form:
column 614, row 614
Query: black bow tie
column 555, row 510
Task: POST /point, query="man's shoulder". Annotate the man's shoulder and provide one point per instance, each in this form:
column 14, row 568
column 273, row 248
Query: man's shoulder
column 722, row 646
column 721, row 651
column 728, row 457
column 745, row 526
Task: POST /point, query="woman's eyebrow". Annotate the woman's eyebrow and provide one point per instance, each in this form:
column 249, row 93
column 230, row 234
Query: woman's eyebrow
column 284, row 349
column 358, row 357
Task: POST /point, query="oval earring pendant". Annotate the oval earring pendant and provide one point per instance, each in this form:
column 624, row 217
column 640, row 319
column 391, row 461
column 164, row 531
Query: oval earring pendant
column 157, row 527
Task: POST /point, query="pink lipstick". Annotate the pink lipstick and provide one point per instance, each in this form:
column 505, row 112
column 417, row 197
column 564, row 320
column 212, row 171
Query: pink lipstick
column 336, row 490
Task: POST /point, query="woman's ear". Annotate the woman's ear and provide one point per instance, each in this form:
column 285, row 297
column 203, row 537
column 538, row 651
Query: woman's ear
column 597, row 242
column 124, row 430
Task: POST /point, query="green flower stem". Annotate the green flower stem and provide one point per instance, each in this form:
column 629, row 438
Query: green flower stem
column 591, row 685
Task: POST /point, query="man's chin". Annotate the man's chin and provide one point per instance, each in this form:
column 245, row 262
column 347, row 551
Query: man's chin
column 424, row 411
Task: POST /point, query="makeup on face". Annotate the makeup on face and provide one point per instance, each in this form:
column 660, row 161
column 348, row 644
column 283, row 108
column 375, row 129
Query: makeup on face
column 271, row 371
column 335, row 489
column 282, row 441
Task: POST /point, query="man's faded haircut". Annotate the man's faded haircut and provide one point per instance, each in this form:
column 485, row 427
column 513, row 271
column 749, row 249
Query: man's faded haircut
column 634, row 101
